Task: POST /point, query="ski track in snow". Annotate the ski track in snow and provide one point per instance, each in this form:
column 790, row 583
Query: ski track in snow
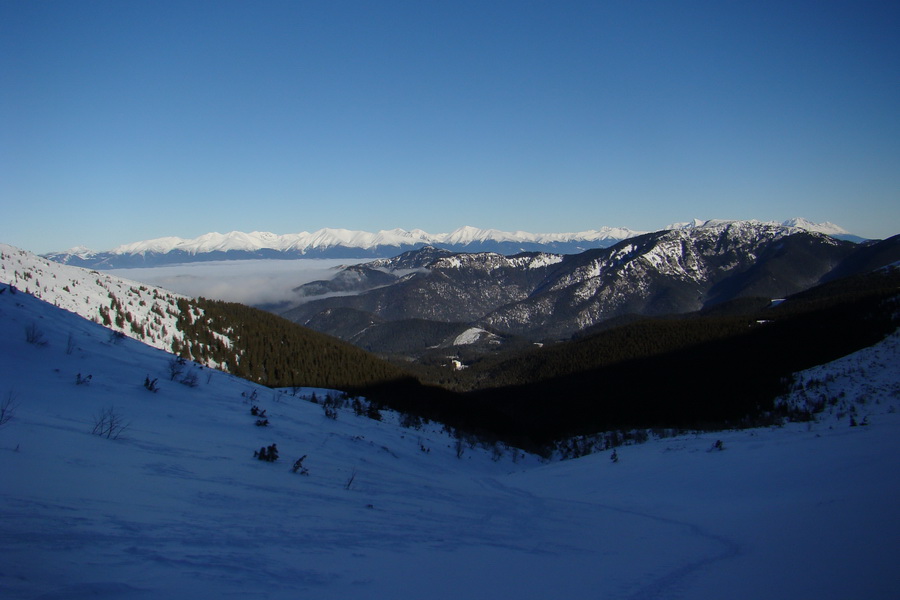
column 655, row 585
column 670, row 584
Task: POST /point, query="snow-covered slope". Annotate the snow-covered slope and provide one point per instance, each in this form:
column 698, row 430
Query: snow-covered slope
column 177, row 507
column 140, row 311
column 795, row 224
column 224, row 336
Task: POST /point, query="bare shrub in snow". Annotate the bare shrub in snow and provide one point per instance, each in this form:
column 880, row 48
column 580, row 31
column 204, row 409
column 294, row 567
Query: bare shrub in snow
column 34, row 335
column 109, row 424
column 151, row 384
column 410, row 421
column 189, row 380
column 8, row 408
column 298, row 466
column 176, row 367
column 372, row 412
column 460, row 447
column 330, row 405
column 497, row 452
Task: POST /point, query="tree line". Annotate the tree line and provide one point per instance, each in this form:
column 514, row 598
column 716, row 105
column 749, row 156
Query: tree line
column 265, row 348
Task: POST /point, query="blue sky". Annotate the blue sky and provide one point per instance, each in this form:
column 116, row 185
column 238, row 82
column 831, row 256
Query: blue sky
column 123, row 121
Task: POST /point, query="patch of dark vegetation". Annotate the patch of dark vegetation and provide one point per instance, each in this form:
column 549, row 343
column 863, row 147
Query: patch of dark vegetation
column 701, row 371
column 273, row 351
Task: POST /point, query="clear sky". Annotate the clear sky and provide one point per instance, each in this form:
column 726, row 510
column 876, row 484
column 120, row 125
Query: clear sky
column 128, row 120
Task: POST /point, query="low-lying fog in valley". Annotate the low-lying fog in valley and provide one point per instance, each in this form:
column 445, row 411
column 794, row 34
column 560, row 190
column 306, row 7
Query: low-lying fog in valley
column 266, row 284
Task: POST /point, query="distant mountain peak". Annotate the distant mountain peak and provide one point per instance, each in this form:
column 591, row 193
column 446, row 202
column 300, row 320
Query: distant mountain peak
column 795, row 223
column 347, row 243
column 335, row 243
column 827, row 227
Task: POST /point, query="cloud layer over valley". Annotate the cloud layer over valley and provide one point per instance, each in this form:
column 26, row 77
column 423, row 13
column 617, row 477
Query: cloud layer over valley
column 263, row 283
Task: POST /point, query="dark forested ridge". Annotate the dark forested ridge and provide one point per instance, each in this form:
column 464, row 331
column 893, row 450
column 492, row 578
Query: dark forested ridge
column 265, row 348
column 694, row 371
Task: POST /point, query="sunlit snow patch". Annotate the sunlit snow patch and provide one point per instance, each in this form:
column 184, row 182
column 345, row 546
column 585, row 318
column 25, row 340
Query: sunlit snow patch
column 472, row 335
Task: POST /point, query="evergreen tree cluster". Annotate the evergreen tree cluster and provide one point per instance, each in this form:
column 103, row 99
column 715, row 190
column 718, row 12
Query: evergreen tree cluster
column 267, row 453
column 120, row 317
column 270, row 350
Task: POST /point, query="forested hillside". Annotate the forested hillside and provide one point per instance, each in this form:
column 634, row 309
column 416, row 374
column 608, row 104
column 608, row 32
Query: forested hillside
column 245, row 341
column 272, row 351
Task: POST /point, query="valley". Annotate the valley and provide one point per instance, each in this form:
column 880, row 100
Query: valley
column 692, row 304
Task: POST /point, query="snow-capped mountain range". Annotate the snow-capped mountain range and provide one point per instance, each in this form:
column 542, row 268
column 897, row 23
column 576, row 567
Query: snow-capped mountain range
column 540, row 295
column 344, row 243
column 797, row 223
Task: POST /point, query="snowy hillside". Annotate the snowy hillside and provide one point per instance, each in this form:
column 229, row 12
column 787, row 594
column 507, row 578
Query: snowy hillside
column 140, row 311
column 177, row 506
column 238, row 339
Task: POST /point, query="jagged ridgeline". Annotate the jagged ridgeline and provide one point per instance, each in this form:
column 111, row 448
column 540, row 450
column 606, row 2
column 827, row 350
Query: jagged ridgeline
column 270, row 350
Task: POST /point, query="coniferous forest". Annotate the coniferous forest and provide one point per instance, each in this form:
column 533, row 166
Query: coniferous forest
column 273, row 351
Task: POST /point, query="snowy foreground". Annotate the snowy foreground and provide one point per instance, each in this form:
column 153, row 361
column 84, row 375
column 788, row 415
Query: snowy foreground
column 177, row 507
